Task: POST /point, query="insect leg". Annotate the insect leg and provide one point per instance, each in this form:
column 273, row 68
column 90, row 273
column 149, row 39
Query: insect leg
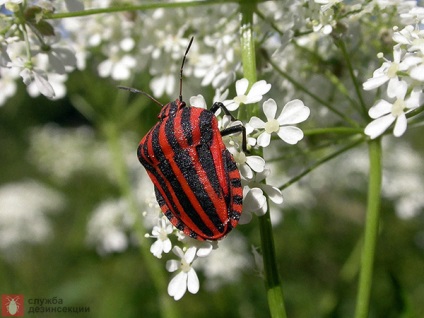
column 236, row 129
column 233, row 129
column 218, row 105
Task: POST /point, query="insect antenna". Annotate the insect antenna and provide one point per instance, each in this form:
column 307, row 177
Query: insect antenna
column 181, row 70
column 134, row 90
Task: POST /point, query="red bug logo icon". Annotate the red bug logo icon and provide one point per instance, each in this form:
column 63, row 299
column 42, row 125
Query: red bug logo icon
column 12, row 305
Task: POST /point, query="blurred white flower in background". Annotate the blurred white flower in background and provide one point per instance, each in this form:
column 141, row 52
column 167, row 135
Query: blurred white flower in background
column 227, row 263
column 110, row 226
column 24, row 210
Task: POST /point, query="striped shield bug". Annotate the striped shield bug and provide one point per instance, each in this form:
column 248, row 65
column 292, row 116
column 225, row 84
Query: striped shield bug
column 196, row 180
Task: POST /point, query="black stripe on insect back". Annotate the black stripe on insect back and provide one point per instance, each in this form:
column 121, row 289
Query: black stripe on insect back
column 165, row 170
column 208, row 164
column 186, row 125
column 204, row 153
column 184, row 161
column 153, row 139
column 168, row 212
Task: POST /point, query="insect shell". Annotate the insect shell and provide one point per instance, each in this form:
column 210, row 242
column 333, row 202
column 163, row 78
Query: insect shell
column 196, row 180
column 197, row 183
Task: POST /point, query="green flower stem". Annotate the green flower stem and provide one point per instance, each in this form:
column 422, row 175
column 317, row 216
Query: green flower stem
column 272, row 278
column 145, row 6
column 358, row 88
column 320, row 162
column 21, row 19
column 165, row 304
column 333, row 130
column 371, row 230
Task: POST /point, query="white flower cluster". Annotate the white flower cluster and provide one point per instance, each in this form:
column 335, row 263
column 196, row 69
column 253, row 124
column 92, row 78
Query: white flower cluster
column 25, row 207
column 34, row 50
column 253, row 171
column 404, row 77
column 42, row 52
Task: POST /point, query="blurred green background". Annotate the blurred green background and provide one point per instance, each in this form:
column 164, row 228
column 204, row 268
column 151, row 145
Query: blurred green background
column 317, row 244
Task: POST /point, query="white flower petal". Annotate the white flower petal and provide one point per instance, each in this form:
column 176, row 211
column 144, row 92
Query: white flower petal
column 270, row 109
column 157, row 248
column 198, row 101
column 259, row 88
column 290, row 134
column 230, row 105
column 256, row 163
column 245, row 217
column 246, row 171
column 172, row 265
column 253, row 99
column 26, row 76
column 241, row 86
column 43, row 84
column 397, row 88
column 379, row 126
column 192, row 281
column 264, row 139
column 397, row 53
column 380, row 108
column 254, row 200
column 375, row 82
column 415, row 99
column 178, row 286
column 418, row 73
column 167, row 245
column 294, row 112
column 400, row 125
column 262, row 210
column 262, row 175
column 273, row 193
column 204, row 249
column 56, row 64
column 257, row 123
column 178, row 251
column 190, row 254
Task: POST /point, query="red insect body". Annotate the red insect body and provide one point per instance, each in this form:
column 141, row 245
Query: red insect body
column 196, row 180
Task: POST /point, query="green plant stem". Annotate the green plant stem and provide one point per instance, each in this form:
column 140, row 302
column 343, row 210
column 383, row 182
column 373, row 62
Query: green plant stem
column 25, row 35
column 320, row 162
column 145, row 6
column 333, row 130
column 272, row 277
column 165, row 304
column 371, row 230
column 358, row 88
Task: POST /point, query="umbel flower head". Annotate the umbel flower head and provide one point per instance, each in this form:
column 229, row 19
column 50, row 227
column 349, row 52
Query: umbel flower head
column 186, row 278
column 294, row 112
column 385, row 113
column 254, row 95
